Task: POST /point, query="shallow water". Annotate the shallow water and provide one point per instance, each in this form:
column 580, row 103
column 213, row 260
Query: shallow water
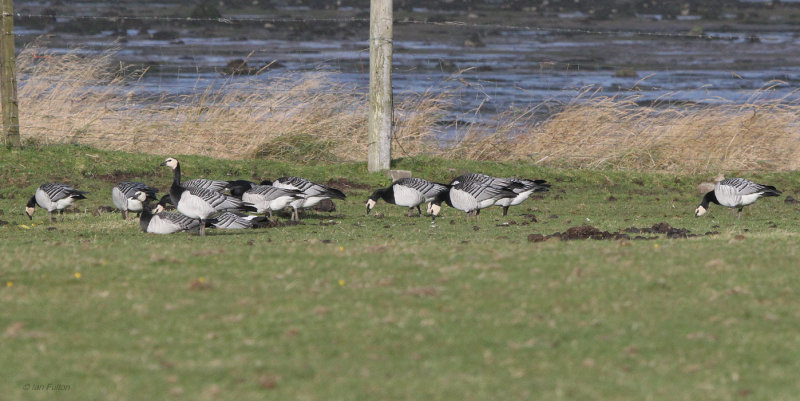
column 514, row 67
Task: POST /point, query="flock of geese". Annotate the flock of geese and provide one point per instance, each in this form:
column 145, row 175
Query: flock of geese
column 205, row 203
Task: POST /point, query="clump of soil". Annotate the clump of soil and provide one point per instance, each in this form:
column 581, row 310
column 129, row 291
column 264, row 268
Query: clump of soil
column 325, row 205
column 590, row 232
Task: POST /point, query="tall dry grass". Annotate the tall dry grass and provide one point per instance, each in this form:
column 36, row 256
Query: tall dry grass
column 599, row 131
column 71, row 98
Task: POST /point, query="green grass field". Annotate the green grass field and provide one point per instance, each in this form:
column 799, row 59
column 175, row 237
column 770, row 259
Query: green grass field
column 355, row 307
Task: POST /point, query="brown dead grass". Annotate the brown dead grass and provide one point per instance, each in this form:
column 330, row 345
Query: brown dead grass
column 599, row 131
column 310, row 118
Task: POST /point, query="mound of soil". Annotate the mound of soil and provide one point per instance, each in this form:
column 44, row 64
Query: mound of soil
column 591, row 232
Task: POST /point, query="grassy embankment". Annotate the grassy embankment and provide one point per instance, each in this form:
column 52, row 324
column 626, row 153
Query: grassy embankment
column 349, row 306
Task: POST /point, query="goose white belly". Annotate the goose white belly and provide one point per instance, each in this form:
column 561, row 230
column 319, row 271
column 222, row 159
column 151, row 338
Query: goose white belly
column 120, row 200
column 463, row 201
column 280, row 202
column 307, row 202
column 160, row 225
column 258, row 201
column 408, row 197
column 194, row 207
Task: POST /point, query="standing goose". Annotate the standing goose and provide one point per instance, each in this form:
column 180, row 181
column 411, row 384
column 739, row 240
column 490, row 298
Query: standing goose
column 470, row 197
column 267, row 198
column 528, row 187
column 198, row 203
column 313, row 192
column 408, row 192
column 52, row 197
column 124, row 196
column 735, row 193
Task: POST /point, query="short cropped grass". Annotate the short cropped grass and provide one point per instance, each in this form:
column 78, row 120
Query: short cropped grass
column 355, row 307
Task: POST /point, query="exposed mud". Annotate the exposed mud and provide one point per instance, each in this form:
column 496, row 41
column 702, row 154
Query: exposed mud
column 590, row 232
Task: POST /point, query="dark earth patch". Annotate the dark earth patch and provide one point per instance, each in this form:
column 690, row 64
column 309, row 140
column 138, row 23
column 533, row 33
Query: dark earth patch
column 591, row 232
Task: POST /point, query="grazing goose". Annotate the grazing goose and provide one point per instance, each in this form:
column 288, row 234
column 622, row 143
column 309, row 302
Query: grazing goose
column 52, row 197
column 266, row 198
column 470, row 197
column 123, row 196
column 484, row 179
column 199, row 203
column 529, row 187
column 735, row 193
column 409, row 192
column 313, row 192
column 157, row 221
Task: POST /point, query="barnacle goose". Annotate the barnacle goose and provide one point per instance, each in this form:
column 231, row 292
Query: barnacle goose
column 529, row 187
column 735, row 193
column 409, row 192
column 52, row 197
column 313, row 192
column 157, row 221
column 267, row 198
column 470, row 197
column 123, row 196
column 199, row 203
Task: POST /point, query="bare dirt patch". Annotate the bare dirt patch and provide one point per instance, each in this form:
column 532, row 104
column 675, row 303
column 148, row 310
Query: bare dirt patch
column 591, row 232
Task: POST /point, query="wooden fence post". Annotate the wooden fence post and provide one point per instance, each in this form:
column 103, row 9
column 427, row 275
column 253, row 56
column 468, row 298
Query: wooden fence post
column 8, row 77
column 379, row 127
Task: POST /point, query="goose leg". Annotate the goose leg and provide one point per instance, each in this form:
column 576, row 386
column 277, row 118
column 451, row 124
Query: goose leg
column 124, row 215
column 202, row 227
column 505, row 211
column 50, row 214
column 739, row 214
column 269, row 214
column 419, row 211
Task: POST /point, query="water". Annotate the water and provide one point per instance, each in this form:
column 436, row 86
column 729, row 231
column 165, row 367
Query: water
column 519, row 68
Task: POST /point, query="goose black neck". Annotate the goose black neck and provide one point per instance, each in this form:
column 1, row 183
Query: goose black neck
column 176, row 189
column 145, row 217
column 386, row 194
column 32, row 201
column 709, row 197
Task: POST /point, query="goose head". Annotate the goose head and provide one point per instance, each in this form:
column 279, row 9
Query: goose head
column 433, row 209
column 31, row 207
column 171, row 163
column 700, row 211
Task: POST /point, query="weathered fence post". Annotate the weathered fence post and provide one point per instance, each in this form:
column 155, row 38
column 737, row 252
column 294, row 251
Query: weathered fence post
column 379, row 151
column 8, row 77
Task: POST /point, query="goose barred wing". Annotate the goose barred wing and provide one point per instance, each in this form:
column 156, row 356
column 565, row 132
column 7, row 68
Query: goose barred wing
column 232, row 221
column 129, row 189
column 270, row 192
column 530, row 185
column 484, row 192
column 218, row 201
column 741, row 186
column 202, row 183
column 166, row 222
column 57, row 191
column 486, row 180
column 308, row 187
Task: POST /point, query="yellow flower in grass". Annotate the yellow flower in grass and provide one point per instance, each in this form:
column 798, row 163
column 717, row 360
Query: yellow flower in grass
column 9, row 283
column 341, row 282
column 77, row 274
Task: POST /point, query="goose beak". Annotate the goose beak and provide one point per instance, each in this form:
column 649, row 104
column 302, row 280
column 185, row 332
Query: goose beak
column 163, row 164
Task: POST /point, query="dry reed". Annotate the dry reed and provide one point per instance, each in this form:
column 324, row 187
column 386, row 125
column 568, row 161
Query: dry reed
column 91, row 100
